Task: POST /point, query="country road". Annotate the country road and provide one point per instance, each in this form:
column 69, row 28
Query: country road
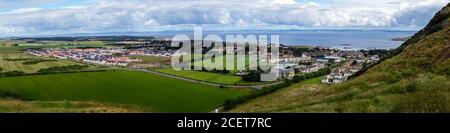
column 208, row 83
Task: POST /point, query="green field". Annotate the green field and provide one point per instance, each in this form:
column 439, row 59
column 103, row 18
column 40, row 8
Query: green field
column 15, row 52
column 203, row 76
column 19, row 66
column 151, row 59
column 158, row 93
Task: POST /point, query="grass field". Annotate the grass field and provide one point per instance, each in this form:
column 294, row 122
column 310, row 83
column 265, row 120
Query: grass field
column 151, row 59
column 19, row 66
column 14, row 52
column 158, row 93
column 203, row 76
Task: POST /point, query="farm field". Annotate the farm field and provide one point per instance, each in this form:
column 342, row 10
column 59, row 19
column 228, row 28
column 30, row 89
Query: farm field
column 49, row 44
column 151, row 59
column 7, row 51
column 159, row 94
column 31, row 68
column 225, row 60
column 203, row 76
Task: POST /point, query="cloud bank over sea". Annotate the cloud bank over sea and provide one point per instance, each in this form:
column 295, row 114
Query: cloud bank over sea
column 60, row 16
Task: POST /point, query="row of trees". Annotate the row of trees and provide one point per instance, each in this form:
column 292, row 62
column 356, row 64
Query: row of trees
column 321, row 72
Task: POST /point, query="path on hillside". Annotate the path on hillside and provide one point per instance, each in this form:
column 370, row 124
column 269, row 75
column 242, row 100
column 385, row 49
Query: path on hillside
column 208, row 83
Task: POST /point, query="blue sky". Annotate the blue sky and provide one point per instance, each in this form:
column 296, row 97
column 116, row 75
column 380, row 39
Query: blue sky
column 41, row 17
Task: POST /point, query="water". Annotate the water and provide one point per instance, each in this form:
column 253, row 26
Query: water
column 354, row 39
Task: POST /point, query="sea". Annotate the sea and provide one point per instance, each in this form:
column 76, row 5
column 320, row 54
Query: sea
column 340, row 39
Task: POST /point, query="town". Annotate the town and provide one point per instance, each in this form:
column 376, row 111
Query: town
column 293, row 60
column 112, row 56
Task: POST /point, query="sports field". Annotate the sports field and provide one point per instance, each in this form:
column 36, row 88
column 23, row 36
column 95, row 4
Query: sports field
column 160, row 94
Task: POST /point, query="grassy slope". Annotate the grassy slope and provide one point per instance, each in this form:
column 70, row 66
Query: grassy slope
column 17, row 106
column 161, row 94
column 414, row 80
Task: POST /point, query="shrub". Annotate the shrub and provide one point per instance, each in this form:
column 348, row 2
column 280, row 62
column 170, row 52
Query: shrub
column 62, row 69
column 12, row 74
column 35, row 61
column 7, row 94
column 252, row 76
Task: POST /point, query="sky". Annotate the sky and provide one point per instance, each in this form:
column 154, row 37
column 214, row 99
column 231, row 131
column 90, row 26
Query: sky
column 47, row 17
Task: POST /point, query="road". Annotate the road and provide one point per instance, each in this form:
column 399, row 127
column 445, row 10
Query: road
column 258, row 87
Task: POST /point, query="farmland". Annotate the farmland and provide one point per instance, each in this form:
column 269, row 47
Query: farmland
column 159, row 94
column 14, row 61
column 12, row 51
column 203, row 76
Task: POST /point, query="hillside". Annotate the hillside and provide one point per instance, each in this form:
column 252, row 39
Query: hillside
column 18, row 106
column 135, row 88
column 414, row 79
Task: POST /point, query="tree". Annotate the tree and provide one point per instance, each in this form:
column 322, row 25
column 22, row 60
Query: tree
column 252, row 76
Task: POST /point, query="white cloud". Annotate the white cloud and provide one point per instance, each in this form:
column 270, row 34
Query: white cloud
column 138, row 15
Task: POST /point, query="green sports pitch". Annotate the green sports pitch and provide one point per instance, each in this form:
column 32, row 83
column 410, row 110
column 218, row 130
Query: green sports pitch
column 160, row 94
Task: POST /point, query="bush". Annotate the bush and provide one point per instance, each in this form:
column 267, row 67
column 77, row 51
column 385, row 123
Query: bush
column 62, row 69
column 12, row 74
column 35, row 61
column 252, row 76
column 7, row 94
column 16, row 59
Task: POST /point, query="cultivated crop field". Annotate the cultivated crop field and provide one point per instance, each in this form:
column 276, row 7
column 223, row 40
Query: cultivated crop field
column 159, row 94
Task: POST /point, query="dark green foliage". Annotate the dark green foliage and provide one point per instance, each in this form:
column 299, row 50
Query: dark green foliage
column 216, row 71
column 321, row 72
column 12, row 74
column 17, row 59
column 7, row 94
column 298, row 51
column 252, row 76
column 35, row 61
column 62, row 69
